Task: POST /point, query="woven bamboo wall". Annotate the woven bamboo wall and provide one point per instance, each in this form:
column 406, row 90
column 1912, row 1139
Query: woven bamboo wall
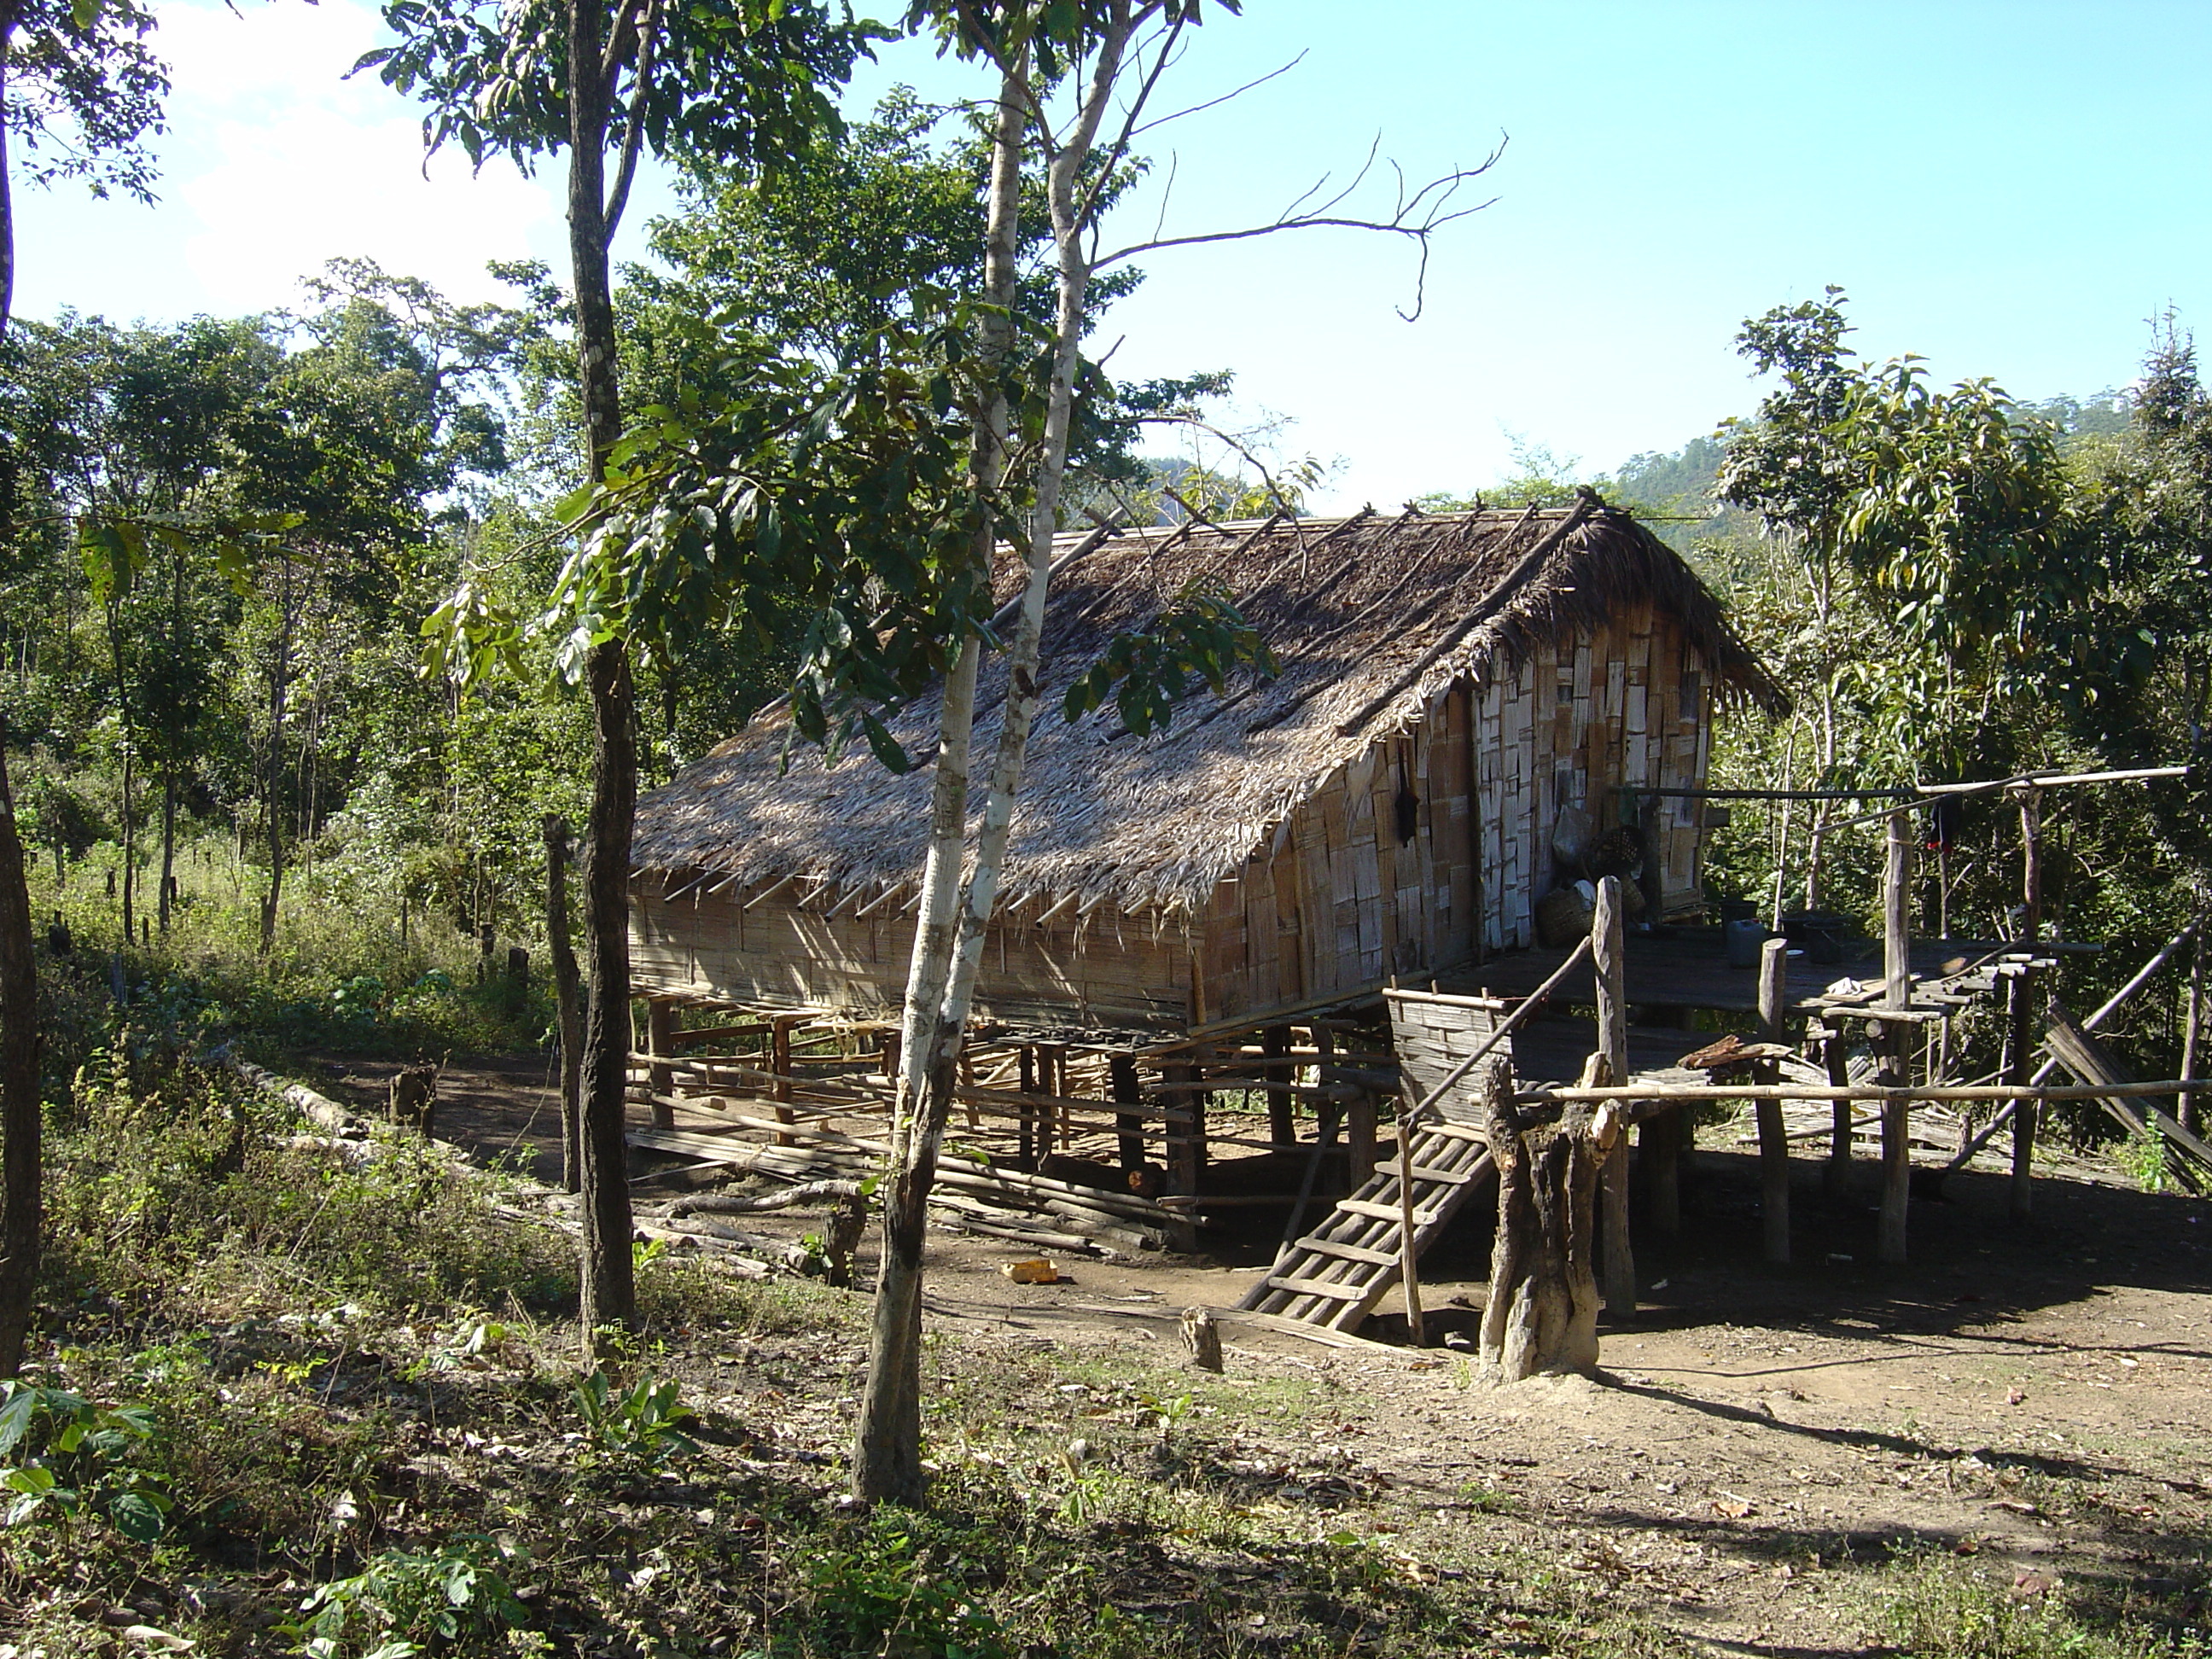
column 1339, row 903
column 1107, row 969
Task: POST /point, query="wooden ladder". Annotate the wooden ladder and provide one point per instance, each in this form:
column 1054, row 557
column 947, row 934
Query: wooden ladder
column 1334, row 1276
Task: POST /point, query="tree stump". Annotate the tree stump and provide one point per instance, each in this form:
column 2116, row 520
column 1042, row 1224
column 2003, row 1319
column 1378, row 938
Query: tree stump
column 1201, row 1338
column 1543, row 1311
column 414, row 1098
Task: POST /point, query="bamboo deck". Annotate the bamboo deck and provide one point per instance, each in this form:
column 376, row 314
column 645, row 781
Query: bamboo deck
column 1687, row 968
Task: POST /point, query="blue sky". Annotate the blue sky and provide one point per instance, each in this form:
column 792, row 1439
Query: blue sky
column 2009, row 189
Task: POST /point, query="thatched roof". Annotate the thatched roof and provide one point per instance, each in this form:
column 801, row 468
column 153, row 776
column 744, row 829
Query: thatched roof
column 1372, row 618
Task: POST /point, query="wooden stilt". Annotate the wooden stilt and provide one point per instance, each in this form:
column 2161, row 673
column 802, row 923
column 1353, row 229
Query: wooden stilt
column 1409, row 1256
column 2019, row 1013
column 1836, row 1173
column 661, row 1039
column 1025, row 1139
column 1128, row 1091
column 1187, row 1150
column 1773, row 1133
column 1282, row 1116
column 2191, row 1023
column 1608, row 947
column 1896, row 1116
column 779, row 1061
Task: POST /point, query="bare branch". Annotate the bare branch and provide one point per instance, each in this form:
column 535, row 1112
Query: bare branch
column 1216, row 103
column 1417, row 217
column 1120, row 147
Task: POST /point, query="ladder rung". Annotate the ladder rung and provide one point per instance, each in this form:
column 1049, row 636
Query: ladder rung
column 1449, row 1177
column 1455, row 1131
column 1382, row 1211
column 1315, row 1287
column 1345, row 1252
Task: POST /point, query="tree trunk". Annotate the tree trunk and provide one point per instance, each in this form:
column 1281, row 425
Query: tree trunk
column 1543, row 1311
column 609, row 1282
column 168, row 844
column 567, row 999
column 280, row 678
column 887, row 1441
column 20, row 1128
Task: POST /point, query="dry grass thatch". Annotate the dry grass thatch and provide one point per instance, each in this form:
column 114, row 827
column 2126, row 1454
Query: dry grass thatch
column 1373, row 619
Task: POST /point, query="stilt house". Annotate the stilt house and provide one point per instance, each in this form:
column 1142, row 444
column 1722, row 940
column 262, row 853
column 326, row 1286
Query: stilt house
column 1385, row 806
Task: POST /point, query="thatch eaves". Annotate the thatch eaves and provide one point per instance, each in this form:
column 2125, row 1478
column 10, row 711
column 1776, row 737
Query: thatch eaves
column 1371, row 618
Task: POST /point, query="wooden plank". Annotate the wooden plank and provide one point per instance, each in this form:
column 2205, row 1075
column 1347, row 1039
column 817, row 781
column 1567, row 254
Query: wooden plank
column 1316, row 1244
column 1305, row 1286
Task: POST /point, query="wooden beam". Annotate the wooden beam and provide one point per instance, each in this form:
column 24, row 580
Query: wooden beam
column 1608, row 946
column 2019, row 1013
column 1773, row 1133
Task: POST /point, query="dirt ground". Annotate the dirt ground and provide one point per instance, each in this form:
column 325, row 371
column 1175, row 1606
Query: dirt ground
column 2038, row 1395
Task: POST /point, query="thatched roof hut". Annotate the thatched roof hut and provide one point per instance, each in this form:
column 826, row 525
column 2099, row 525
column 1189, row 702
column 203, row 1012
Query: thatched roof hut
column 1294, row 839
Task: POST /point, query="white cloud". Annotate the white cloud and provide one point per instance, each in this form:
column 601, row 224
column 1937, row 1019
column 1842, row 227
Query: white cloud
column 289, row 193
column 285, row 164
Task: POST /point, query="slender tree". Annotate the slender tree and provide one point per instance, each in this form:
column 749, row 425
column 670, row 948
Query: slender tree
column 79, row 91
column 605, row 81
column 1065, row 72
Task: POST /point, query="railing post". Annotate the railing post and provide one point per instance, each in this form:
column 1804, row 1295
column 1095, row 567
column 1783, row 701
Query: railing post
column 1608, row 943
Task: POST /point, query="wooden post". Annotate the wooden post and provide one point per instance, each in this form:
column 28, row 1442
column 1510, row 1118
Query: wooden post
column 1129, row 1091
column 1025, row 1152
column 1186, row 1152
column 1896, row 1116
column 1055, row 1082
column 1896, row 1146
column 1773, row 1132
column 661, row 1039
column 1836, row 1173
column 1282, row 1117
column 779, row 1061
column 1608, row 945
column 2031, row 860
column 2019, row 1013
column 1409, row 1262
column 1896, row 928
column 2192, row 1015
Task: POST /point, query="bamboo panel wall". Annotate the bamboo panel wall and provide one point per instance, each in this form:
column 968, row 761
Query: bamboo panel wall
column 1107, row 970
column 1337, row 904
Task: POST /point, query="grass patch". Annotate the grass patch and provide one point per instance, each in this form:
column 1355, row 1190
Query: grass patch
column 1940, row 1607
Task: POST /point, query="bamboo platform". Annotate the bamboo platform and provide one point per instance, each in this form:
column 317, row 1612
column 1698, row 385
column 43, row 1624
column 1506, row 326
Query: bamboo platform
column 1687, row 968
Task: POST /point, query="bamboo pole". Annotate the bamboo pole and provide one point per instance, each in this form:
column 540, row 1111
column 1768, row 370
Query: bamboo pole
column 1897, row 988
column 1609, row 946
column 659, row 1040
column 2019, row 1013
column 1563, row 1092
column 2193, row 1010
column 1835, row 1173
column 1773, row 1134
column 1409, row 1259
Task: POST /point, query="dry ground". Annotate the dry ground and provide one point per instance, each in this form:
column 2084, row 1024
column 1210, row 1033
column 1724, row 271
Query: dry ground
column 2037, row 1397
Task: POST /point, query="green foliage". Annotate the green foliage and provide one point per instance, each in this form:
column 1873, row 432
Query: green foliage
column 638, row 1424
column 883, row 1596
column 734, row 79
column 405, row 1597
column 1201, row 636
column 1939, row 1608
column 84, row 92
column 61, row 1454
